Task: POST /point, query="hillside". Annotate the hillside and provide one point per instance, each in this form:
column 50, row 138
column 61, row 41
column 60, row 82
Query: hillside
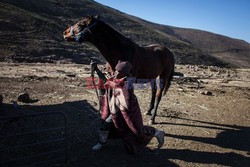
column 31, row 31
column 230, row 50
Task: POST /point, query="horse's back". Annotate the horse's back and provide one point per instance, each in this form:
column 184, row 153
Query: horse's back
column 152, row 59
column 158, row 53
column 156, row 50
column 162, row 51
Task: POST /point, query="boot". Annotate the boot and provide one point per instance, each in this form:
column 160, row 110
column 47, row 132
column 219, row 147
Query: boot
column 102, row 140
column 160, row 137
column 97, row 147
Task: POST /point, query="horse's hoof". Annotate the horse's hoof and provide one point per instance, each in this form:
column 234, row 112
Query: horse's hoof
column 151, row 122
column 147, row 113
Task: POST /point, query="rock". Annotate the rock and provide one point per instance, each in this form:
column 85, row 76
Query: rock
column 205, row 92
column 24, row 97
column 225, row 81
column 213, row 69
column 87, row 69
column 178, row 74
column 71, row 75
column 180, row 90
column 1, row 100
column 222, row 91
column 203, row 67
column 184, row 80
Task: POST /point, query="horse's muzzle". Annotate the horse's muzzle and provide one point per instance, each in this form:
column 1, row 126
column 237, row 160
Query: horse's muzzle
column 66, row 38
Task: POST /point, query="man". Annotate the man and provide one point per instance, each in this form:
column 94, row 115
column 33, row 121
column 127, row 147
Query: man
column 126, row 114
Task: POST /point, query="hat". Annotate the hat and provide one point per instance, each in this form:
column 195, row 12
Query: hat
column 123, row 66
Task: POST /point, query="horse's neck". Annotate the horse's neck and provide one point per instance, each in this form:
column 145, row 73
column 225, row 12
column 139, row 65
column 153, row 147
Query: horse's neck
column 112, row 45
column 108, row 53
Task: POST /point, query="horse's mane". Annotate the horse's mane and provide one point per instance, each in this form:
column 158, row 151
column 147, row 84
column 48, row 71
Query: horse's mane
column 117, row 36
column 119, row 42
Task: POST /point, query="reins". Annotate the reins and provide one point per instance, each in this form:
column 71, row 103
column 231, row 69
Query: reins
column 81, row 33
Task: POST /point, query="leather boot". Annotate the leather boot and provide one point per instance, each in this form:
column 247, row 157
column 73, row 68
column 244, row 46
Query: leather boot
column 160, row 137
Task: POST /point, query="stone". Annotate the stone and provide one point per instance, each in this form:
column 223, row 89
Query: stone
column 205, row 92
column 180, row 90
column 178, row 74
column 225, row 81
column 24, row 97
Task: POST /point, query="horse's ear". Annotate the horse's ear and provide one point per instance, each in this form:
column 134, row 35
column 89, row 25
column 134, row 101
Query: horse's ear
column 97, row 17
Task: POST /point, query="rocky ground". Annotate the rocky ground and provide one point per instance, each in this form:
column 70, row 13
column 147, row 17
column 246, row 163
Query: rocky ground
column 205, row 115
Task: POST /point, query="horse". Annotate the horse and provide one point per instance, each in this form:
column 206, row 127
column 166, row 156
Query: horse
column 148, row 62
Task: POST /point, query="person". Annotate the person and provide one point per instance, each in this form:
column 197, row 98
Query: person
column 124, row 110
column 106, row 118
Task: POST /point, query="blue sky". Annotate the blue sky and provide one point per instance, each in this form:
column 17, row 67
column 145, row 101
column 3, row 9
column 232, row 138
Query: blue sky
column 226, row 17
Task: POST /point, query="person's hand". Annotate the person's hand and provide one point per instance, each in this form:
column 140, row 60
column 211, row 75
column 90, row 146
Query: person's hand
column 93, row 65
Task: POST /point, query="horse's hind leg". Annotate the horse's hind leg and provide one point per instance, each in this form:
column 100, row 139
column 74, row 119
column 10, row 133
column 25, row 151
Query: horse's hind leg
column 156, row 104
column 162, row 85
column 152, row 102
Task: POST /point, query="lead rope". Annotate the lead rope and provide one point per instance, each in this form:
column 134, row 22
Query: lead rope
column 93, row 80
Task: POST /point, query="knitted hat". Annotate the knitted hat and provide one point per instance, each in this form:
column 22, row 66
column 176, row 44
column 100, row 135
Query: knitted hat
column 123, row 66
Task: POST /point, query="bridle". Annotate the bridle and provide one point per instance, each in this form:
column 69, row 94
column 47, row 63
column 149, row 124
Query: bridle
column 81, row 33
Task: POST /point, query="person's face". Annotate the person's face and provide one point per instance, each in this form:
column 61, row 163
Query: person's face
column 119, row 74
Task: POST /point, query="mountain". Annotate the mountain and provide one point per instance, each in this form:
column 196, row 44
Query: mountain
column 233, row 51
column 31, row 31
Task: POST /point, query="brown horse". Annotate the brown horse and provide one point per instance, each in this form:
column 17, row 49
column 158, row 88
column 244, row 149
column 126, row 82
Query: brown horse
column 148, row 62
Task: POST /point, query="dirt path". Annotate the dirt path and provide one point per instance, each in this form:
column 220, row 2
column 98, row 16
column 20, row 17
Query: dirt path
column 201, row 130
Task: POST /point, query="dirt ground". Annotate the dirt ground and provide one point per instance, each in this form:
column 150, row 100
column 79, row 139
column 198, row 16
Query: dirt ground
column 205, row 114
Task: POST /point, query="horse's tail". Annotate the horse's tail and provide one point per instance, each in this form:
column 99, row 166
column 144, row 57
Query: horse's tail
column 170, row 78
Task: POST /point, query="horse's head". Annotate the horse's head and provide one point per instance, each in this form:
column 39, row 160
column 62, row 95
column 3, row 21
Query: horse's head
column 80, row 31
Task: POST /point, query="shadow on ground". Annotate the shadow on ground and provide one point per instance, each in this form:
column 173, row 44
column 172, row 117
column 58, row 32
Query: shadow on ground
column 83, row 123
column 232, row 136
